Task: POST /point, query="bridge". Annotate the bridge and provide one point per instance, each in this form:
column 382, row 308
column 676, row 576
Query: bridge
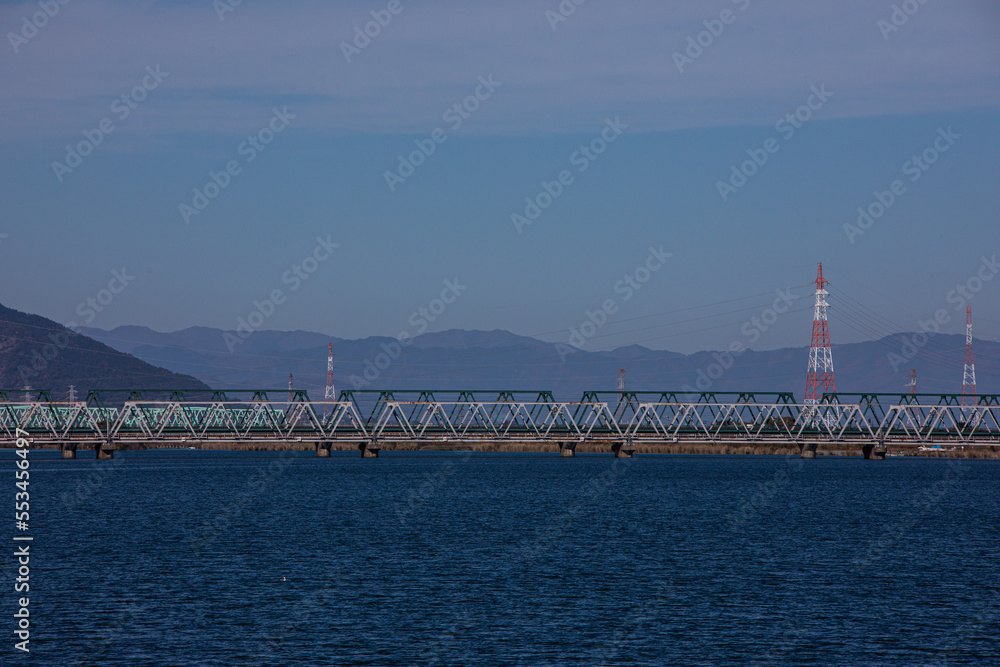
column 137, row 419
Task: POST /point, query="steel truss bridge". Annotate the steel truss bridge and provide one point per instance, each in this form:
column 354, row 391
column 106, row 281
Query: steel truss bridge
column 108, row 420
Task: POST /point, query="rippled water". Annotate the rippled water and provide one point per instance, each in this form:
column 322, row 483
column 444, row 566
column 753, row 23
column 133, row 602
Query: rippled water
column 176, row 558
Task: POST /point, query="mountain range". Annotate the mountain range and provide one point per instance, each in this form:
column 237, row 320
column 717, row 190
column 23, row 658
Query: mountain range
column 500, row 360
column 40, row 353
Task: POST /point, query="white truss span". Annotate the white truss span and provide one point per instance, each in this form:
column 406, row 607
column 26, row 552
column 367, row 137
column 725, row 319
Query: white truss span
column 181, row 423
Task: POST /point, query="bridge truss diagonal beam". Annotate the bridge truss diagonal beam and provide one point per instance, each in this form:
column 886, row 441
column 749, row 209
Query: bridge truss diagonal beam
column 514, row 416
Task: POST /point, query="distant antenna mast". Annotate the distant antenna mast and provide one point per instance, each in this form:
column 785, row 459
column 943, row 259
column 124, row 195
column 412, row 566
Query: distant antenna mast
column 912, row 377
column 289, row 387
column 330, row 395
column 819, row 379
column 969, row 372
column 27, row 393
column 72, row 394
column 621, row 379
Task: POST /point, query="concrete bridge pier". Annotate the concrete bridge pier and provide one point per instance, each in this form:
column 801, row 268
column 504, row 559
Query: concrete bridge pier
column 105, row 450
column 567, row 449
column 369, row 450
column 623, row 450
column 323, row 449
column 68, row 450
column 874, row 451
column 807, row 450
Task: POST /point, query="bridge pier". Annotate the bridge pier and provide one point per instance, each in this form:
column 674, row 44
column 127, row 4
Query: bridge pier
column 567, row 449
column 369, row 450
column 807, row 450
column 874, row 451
column 623, row 450
column 105, row 450
column 68, row 450
column 323, row 449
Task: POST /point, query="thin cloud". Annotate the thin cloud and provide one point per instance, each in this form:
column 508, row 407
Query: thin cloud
column 607, row 58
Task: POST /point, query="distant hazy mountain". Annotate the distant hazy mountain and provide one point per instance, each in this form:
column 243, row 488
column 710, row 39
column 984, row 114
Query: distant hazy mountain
column 44, row 354
column 459, row 359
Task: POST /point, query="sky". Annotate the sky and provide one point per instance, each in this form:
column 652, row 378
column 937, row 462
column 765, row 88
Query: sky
column 671, row 173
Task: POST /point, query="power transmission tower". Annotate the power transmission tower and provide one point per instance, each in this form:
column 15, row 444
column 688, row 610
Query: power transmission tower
column 330, row 395
column 820, row 373
column 969, row 371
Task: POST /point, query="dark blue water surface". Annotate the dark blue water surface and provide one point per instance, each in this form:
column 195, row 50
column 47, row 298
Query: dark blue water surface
column 177, row 558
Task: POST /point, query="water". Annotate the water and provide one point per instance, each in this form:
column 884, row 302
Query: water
column 176, row 558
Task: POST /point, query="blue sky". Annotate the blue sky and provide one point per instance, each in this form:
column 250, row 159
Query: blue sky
column 343, row 125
